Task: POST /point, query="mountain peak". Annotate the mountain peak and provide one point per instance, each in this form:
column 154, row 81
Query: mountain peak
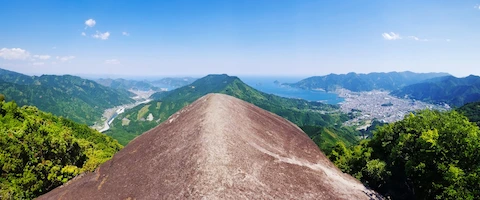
column 224, row 76
column 217, row 147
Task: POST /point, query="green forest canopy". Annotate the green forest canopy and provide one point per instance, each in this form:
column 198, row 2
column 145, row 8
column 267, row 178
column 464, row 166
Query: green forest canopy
column 39, row 151
column 429, row 155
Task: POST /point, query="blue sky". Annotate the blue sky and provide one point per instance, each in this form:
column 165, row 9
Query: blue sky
column 257, row 37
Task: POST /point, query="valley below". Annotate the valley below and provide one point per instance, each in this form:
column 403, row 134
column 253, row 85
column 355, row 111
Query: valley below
column 110, row 114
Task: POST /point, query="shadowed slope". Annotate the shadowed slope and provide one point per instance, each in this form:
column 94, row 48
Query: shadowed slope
column 217, row 147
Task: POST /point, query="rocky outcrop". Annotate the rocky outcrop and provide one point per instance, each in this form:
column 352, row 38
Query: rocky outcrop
column 219, row 147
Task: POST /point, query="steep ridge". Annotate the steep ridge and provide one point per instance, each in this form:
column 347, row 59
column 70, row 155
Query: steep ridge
column 217, row 147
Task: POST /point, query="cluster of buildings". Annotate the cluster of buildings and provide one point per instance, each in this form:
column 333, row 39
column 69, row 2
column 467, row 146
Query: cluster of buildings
column 379, row 105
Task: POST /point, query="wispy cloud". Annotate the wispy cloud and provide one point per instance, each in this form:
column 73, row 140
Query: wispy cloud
column 90, row 23
column 477, row 6
column 112, row 62
column 65, row 58
column 84, row 34
column 391, row 36
column 417, row 39
column 396, row 36
column 42, row 57
column 125, row 33
column 22, row 54
column 101, row 36
column 14, row 54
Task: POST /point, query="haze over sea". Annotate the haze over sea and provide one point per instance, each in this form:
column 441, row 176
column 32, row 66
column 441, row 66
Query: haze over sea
column 268, row 85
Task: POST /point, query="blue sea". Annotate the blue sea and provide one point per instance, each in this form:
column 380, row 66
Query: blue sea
column 272, row 85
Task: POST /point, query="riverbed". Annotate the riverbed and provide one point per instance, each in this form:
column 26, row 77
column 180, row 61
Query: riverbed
column 110, row 114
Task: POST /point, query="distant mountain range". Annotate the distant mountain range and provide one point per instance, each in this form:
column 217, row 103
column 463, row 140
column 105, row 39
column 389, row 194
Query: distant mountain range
column 72, row 97
column 173, row 82
column 451, row 90
column 427, row 87
column 301, row 112
column 145, row 85
column 127, row 84
column 364, row 82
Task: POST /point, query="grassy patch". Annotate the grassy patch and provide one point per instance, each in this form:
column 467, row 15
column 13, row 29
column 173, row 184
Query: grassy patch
column 142, row 112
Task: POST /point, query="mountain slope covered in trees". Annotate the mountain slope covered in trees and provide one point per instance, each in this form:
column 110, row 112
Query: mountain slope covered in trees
column 173, row 82
column 451, row 90
column 69, row 96
column 427, row 155
column 145, row 85
column 365, row 82
column 39, row 151
column 125, row 84
column 135, row 121
column 471, row 111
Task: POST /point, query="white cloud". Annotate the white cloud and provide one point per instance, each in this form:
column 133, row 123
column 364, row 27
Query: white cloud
column 84, row 34
column 391, row 36
column 65, row 58
column 42, row 57
column 125, row 33
column 102, row 36
column 14, row 54
column 90, row 23
column 38, row 63
column 112, row 62
column 396, row 36
column 417, row 39
column 413, row 37
column 448, row 40
column 477, row 6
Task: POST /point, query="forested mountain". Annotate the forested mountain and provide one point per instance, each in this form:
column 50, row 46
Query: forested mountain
column 365, row 82
column 69, row 96
column 471, row 111
column 145, row 85
column 451, row 90
column 173, row 82
column 124, row 84
column 326, row 137
column 15, row 77
column 39, row 151
column 141, row 118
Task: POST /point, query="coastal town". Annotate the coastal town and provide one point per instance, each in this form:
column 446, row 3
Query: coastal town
column 379, row 105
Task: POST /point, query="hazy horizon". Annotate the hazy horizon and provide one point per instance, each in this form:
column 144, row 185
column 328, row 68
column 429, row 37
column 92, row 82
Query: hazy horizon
column 154, row 77
column 264, row 38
